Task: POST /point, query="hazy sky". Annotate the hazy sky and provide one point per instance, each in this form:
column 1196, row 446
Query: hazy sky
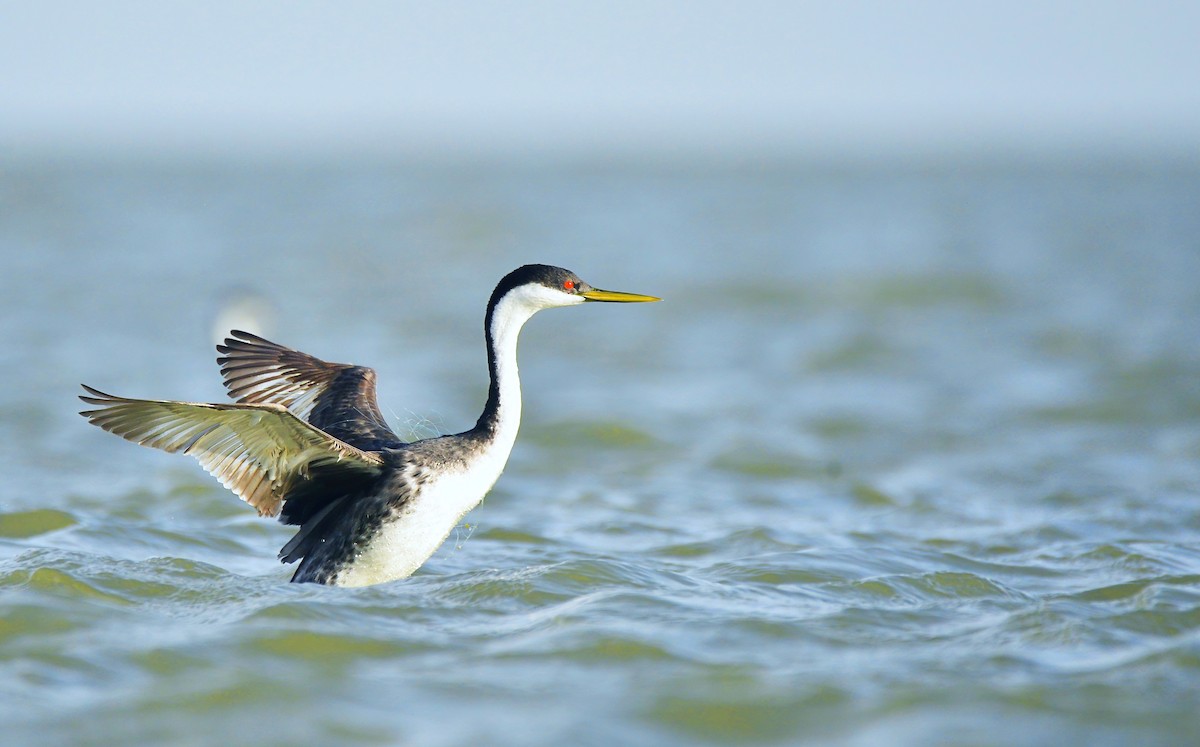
column 483, row 76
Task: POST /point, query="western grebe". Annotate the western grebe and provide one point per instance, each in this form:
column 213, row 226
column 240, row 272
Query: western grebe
column 305, row 441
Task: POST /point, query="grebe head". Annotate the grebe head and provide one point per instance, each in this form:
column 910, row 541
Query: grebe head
column 535, row 287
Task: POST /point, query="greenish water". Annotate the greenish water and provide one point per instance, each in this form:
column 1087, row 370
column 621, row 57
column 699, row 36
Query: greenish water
column 908, row 456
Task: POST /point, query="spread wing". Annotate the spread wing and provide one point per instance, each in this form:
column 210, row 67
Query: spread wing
column 335, row 397
column 259, row 451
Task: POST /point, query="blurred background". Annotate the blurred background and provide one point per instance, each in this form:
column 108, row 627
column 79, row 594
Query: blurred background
column 908, row 455
column 650, row 79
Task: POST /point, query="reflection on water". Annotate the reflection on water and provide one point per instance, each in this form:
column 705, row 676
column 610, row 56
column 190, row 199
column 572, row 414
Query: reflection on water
column 907, row 456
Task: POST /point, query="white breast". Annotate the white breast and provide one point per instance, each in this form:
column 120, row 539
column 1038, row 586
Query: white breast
column 406, row 541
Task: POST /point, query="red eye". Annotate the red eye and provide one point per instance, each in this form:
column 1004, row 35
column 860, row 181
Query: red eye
column 568, row 284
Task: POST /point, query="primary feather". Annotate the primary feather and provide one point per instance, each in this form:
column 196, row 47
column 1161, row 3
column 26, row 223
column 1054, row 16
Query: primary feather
column 258, row 451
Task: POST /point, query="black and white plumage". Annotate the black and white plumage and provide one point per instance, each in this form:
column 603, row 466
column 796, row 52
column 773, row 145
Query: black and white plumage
column 305, row 441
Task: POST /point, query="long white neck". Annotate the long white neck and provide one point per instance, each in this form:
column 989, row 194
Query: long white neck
column 504, row 395
column 501, row 418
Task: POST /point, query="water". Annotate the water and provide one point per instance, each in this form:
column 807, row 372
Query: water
column 908, row 456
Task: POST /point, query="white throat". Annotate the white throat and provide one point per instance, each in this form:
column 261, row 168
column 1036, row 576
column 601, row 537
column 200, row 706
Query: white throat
column 510, row 314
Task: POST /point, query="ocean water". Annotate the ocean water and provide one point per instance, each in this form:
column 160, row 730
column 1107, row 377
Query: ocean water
column 909, row 455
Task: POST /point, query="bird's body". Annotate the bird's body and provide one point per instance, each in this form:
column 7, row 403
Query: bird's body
column 441, row 482
column 306, row 441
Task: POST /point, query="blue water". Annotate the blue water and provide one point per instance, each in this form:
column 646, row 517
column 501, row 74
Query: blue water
column 909, row 455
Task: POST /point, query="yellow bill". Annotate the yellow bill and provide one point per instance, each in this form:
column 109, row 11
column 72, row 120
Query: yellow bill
column 595, row 294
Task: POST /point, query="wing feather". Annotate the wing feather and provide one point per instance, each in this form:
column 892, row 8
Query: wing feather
column 336, row 397
column 258, row 451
